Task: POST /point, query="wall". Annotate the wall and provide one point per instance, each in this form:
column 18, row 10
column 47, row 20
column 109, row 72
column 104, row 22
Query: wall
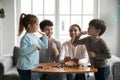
column 108, row 12
column 0, row 37
column 8, row 27
column 0, row 31
column 118, row 30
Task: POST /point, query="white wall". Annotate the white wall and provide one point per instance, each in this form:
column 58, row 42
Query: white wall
column 118, row 46
column 118, row 30
column 0, row 37
column 108, row 12
column 8, row 27
column 0, row 31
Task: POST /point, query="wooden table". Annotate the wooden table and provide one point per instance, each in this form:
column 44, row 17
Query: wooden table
column 59, row 68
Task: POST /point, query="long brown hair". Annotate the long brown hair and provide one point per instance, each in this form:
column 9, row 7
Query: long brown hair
column 26, row 19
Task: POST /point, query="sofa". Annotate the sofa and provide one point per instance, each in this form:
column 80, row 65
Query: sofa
column 8, row 69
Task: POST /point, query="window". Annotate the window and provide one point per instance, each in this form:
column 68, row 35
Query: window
column 63, row 13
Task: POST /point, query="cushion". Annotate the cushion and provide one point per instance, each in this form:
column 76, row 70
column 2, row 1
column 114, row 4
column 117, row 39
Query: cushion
column 15, row 55
column 116, row 71
column 6, row 63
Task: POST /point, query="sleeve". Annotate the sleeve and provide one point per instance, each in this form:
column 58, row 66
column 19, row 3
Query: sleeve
column 25, row 47
column 76, row 41
column 105, row 53
column 59, row 49
column 85, row 57
column 59, row 46
column 43, row 43
column 81, row 41
column 62, row 53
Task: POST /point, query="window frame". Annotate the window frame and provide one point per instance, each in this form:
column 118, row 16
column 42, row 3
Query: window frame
column 57, row 18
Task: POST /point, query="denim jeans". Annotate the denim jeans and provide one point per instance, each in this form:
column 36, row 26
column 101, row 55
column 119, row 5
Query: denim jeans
column 82, row 76
column 24, row 74
column 71, row 76
column 52, row 77
column 35, row 76
column 102, row 73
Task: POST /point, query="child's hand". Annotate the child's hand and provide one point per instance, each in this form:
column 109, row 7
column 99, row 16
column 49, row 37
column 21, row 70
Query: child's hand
column 92, row 54
column 54, row 46
column 55, row 49
column 42, row 33
column 38, row 47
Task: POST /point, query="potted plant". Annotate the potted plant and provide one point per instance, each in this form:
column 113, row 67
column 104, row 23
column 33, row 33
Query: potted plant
column 2, row 13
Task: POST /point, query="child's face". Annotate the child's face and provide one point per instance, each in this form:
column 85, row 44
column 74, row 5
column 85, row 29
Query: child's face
column 74, row 31
column 48, row 30
column 34, row 28
column 93, row 31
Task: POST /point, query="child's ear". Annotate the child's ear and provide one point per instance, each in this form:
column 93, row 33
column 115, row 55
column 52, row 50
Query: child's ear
column 98, row 31
column 29, row 26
